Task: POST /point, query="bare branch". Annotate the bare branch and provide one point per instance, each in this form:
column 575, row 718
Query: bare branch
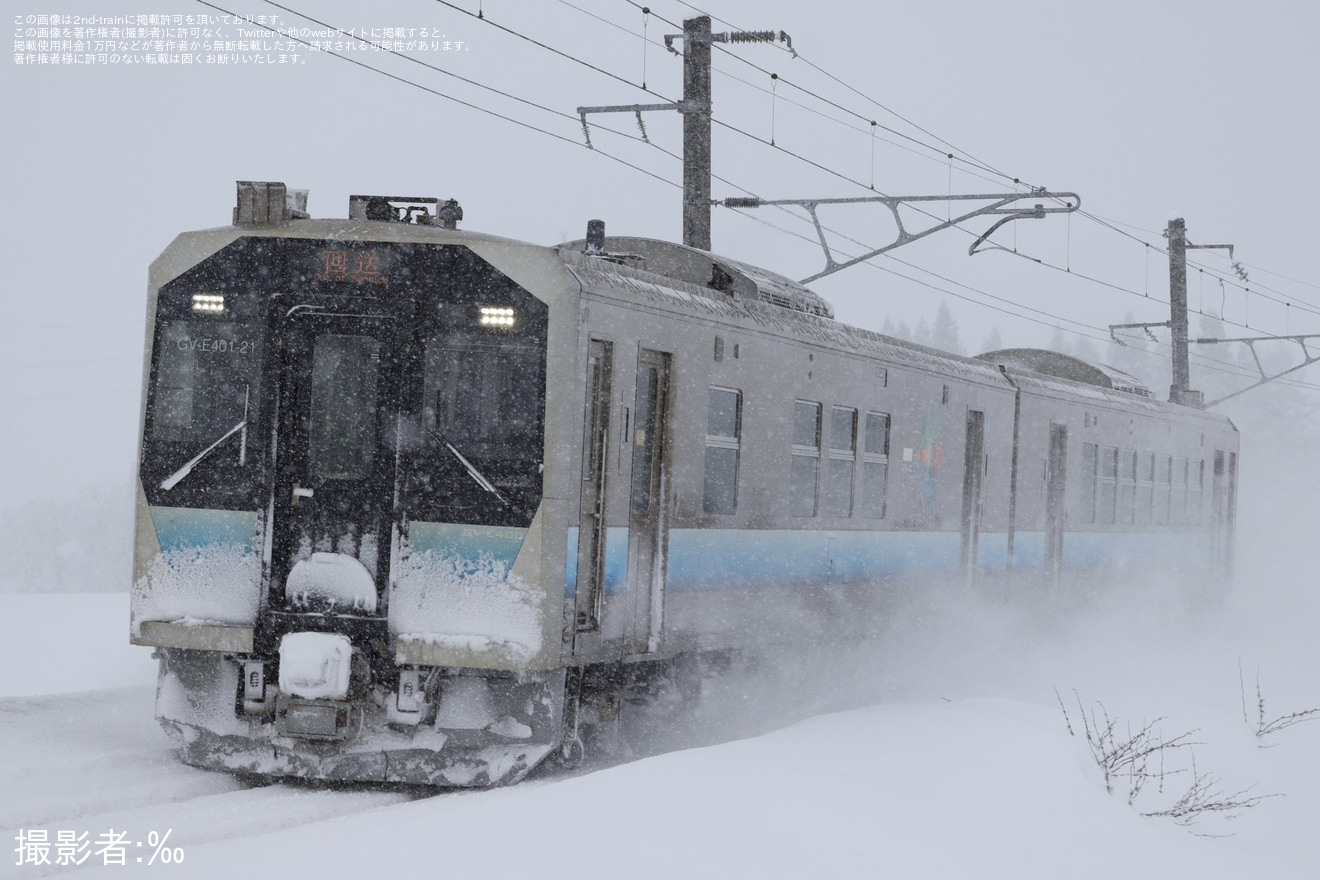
column 1205, row 795
column 1283, row 722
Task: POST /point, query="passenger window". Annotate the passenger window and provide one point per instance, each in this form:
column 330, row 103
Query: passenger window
column 843, row 456
column 806, row 458
column 723, row 442
column 1127, row 485
column 875, row 465
column 1145, row 487
column 1163, row 476
column 1179, row 493
column 1107, row 485
column 1089, row 462
column 1195, row 484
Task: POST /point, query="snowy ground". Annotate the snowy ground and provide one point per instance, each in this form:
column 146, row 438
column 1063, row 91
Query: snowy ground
column 964, row 766
column 943, row 753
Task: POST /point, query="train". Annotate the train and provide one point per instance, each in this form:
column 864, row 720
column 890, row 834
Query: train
column 422, row 505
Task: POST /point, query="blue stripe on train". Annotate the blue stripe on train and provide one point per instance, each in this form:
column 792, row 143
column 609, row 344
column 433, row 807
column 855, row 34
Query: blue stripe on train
column 179, row 528
column 738, row 559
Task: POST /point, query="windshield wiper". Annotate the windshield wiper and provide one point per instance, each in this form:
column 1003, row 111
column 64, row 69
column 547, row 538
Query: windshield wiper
column 475, row 474
column 173, row 479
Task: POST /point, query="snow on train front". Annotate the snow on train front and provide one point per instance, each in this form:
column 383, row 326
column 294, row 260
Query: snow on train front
column 342, row 553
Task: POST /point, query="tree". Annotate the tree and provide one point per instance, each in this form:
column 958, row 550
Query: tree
column 921, row 333
column 992, row 341
column 944, row 334
column 1059, row 342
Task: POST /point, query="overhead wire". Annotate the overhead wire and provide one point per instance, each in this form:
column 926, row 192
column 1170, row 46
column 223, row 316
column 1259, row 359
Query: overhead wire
column 402, row 79
column 737, row 130
column 1287, row 300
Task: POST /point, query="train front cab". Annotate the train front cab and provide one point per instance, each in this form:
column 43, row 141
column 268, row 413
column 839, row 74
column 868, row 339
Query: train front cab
column 339, row 549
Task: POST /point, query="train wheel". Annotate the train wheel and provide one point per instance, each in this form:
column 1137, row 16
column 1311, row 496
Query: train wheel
column 571, row 753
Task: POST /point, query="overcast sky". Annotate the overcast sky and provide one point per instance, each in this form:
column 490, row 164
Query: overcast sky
column 1146, row 109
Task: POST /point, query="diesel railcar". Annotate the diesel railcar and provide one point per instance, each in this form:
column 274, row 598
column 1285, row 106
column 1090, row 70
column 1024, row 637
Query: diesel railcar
column 419, row 504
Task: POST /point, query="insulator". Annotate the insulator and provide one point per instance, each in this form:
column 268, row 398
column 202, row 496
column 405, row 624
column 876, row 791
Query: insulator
column 742, row 202
column 752, row 37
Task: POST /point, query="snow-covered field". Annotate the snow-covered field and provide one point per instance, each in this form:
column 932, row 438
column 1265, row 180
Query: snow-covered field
column 962, row 765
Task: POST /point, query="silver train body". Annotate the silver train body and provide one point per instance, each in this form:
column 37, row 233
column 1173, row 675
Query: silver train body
column 424, row 505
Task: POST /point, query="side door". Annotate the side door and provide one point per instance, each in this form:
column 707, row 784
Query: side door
column 336, row 448
column 592, row 532
column 974, row 465
column 1056, row 473
column 648, row 517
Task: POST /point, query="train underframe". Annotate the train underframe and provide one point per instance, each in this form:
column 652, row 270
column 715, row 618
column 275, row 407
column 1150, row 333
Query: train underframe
column 458, row 728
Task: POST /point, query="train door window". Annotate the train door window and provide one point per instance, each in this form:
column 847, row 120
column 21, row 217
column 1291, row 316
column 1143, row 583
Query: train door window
column 1127, row 484
column 806, row 458
column 342, row 428
column 843, row 458
column 1145, row 487
column 1232, row 498
column 1178, row 496
column 723, row 441
column 1195, row 487
column 875, row 465
column 1163, row 476
column 1217, row 488
column 1089, row 462
column 1107, row 485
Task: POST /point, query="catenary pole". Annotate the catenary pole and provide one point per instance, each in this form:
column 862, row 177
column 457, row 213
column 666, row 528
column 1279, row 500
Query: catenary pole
column 696, row 109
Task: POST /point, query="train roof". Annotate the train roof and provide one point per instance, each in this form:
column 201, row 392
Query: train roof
column 1064, row 366
column 667, row 273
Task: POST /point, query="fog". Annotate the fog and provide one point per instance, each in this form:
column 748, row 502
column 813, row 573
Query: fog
column 1148, row 111
column 1144, row 111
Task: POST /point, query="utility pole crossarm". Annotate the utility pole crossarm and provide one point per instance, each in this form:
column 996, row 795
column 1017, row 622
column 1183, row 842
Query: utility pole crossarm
column 1000, row 204
column 696, row 110
column 1144, row 325
column 1308, row 357
column 638, row 110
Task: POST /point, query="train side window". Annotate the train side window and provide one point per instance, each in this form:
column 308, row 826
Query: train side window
column 1107, row 485
column 723, row 443
column 875, row 465
column 806, row 458
column 1178, row 497
column 1195, row 485
column 1163, row 477
column 1145, row 487
column 1127, row 484
column 1089, row 462
column 843, row 458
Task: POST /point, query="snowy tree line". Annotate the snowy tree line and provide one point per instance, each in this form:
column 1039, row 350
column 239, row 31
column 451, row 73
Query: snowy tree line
column 78, row 544
column 942, row 332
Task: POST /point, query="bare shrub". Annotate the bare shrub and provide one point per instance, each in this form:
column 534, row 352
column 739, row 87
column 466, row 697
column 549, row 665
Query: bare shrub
column 1265, row 728
column 1135, row 759
column 1205, row 795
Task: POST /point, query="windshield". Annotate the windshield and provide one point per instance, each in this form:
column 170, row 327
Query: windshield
column 482, row 414
column 485, row 397
column 204, row 376
column 202, row 402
